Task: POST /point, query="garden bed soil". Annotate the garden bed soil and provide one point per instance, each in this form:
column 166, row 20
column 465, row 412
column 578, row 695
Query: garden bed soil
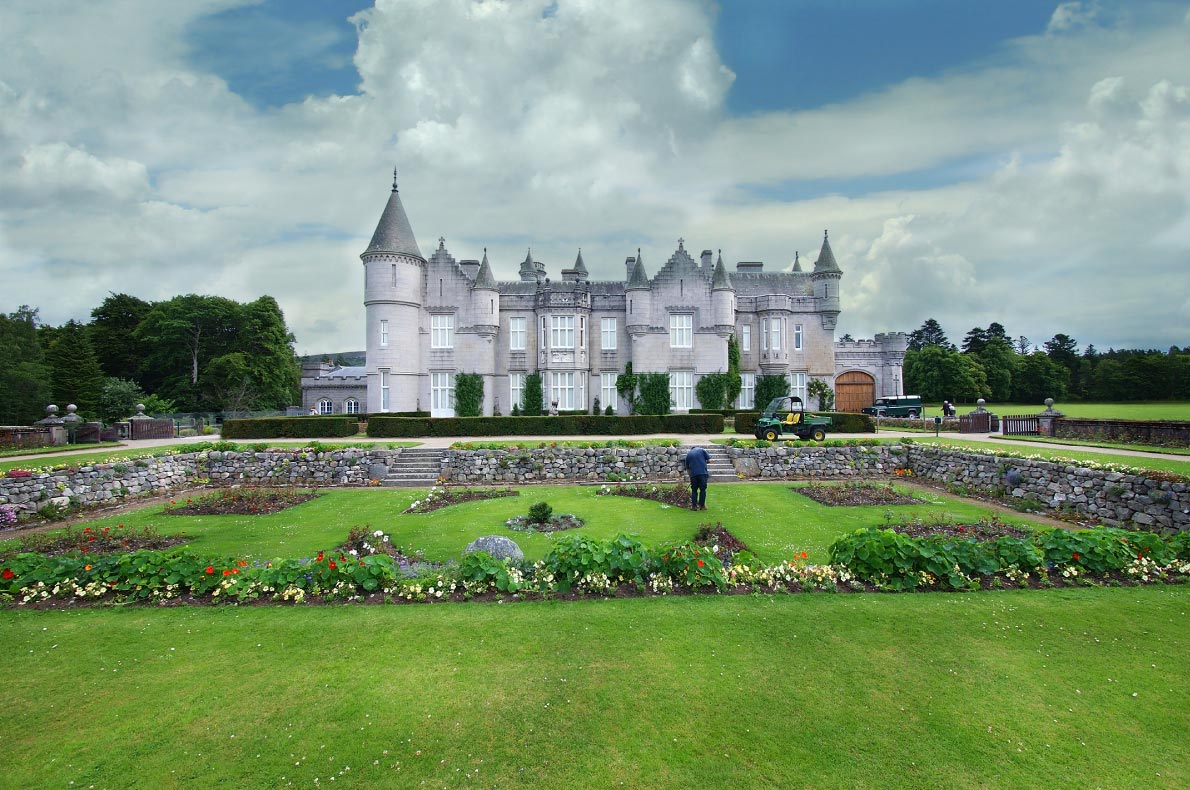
column 855, row 495
column 672, row 495
column 101, row 541
column 709, row 536
column 445, row 497
column 981, row 531
column 239, row 502
column 556, row 523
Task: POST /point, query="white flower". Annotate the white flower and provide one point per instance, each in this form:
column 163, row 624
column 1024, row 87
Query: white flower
column 378, row 533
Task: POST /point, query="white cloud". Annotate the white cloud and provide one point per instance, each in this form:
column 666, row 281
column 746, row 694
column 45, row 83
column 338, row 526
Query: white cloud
column 602, row 124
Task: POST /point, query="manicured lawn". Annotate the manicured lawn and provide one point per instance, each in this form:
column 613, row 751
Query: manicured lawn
column 774, row 521
column 1065, row 688
column 1051, row 451
column 1140, row 448
column 52, row 450
column 1148, row 410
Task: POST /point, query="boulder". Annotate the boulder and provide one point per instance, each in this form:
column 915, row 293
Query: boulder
column 498, row 546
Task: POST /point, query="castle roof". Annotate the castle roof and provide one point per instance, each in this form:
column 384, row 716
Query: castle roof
column 393, row 232
column 638, row 279
column 826, row 258
column 579, row 266
column 797, row 262
column 720, row 280
column 484, row 278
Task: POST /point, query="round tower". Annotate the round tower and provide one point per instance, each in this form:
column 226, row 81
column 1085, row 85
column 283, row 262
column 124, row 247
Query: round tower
column 638, row 292
column 722, row 298
column 485, row 313
column 394, row 282
column 826, row 278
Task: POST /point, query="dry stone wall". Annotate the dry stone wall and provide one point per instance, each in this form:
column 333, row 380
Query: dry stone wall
column 550, row 464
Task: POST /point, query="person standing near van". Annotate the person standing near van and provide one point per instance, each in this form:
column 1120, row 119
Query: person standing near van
column 696, row 466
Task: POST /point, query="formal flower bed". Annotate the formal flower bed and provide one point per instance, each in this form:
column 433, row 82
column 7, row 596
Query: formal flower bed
column 855, row 495
column 987, row 530
column 88, row 541
column 869, row 559
column 673, row 495
column 239, row 502
column 442, row 496
column 557, row 522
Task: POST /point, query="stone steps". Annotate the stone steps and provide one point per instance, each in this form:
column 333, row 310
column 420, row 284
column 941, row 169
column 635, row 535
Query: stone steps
column 720, row 467
column 414, row 467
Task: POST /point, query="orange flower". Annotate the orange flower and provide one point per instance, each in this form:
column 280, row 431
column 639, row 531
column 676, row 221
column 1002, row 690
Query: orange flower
column 333, row 565
column 804, row 555
column 86, row 567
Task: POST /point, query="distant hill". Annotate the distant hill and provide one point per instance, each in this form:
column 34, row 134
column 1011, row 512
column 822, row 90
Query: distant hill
column 347, row 359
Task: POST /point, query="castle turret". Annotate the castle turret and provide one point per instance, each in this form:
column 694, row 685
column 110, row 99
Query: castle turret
column 485, row 312
column 577, row 273
column 826, row 278
column 722, row 298
column 394, row 276
column 639, row 295
column 528, row 270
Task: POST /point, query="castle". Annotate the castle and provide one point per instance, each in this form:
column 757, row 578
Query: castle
column 430, row 318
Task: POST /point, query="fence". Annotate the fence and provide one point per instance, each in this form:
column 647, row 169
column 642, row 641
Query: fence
column 152, row 429
column 1022, row 425
column 978, row 422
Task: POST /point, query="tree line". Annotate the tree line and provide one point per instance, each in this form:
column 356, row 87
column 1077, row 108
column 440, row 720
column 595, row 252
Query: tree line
column 993, row 365
column 188, row 353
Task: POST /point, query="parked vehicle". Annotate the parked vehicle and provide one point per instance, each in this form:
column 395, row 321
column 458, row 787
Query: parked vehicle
column 895, row 406
column 785, row 417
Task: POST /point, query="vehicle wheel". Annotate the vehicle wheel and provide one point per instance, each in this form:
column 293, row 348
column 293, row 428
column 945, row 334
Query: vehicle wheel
column 912, row 415
column 818, row 435
column 770, row 435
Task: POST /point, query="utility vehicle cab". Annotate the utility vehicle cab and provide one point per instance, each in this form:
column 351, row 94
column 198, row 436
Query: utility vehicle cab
column 785, row 415
column 895, row 406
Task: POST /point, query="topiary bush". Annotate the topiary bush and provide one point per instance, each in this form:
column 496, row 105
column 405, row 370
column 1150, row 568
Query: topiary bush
column 540, row 512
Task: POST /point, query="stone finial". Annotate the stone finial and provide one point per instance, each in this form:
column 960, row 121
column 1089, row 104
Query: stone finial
column 51, row 410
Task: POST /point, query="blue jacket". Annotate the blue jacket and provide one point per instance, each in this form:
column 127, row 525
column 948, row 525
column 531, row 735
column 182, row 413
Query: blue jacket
column 696, row 461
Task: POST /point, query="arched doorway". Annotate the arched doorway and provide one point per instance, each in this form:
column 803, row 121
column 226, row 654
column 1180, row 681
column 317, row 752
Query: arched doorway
column 854, row 390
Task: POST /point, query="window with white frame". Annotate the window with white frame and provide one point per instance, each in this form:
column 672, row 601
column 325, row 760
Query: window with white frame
column 764, row 335
column 797, row 385
column 607, row 327
column 516, row 334
column 324, row 406
column 561, row 331
column 681, row 390
column 797, row 337
column 746, row 337
column 775, row 334
column 384, row 402
column 351, row 406
column 747, row 391
column 562, row 390
column 607, row 391
column 442, row 393
column 516, row 388
column 442, row 330
column 384, row 334
column 681, row 330
column 541, row 335
column 582, row 331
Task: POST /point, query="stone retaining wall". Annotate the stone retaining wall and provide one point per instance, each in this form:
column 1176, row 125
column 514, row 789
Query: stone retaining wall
column 1111, row 498
column 1164, row 433
column 785, row 462
column 564, row 463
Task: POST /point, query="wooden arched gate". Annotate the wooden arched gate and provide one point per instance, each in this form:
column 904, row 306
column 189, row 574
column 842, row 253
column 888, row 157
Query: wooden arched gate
column 854, row 390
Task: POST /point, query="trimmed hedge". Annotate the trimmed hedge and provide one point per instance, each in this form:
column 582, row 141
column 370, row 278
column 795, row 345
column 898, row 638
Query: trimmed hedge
column 335, row 427
column 841, row 422
column 383, row 426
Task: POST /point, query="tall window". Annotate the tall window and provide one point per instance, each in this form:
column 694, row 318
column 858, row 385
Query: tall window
column 775, row 334
column 541, row 336
column 607, row 391
column 582, row 331
column 516, row 388
column 324, row 406
column 607, row 327
column 746, row 337
column 442, row 393
column 561, row 331
column 797, row 385
column 516, row 334
column 384, row 390
column 747, row 391
column 681, row 330
column 442, row 330
column 764, row 335
column 681, row 390
column 351, row 406
column 797, row 337
column 562, row 390
column 384, row 334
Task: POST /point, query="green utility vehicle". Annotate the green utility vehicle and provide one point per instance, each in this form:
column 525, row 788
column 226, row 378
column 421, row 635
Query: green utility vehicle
column 896, row 406
column 785, row 418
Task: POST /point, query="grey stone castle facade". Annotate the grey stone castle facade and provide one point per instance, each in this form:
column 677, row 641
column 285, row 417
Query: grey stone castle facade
column 431, row 318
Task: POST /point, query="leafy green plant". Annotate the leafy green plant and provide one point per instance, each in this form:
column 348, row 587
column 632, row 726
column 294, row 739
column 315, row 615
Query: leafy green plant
column 532, row 399
column 692, row 565
column 468, row 394
column 482, row 569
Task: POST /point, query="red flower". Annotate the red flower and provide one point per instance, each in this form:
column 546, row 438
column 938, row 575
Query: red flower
column 8, row 574
column 210, row 569
column 242, row 563
column 119, row 526
column 1076, row 556
column 107, row 529
column 86, row 529
column 333, row 565
column 235, row 570
column 1140, row 556
column 701, row 563
column 804, row 555
column 226, row 572
column 319, row 557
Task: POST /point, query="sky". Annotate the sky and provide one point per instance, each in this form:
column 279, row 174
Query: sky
column 1023, row 161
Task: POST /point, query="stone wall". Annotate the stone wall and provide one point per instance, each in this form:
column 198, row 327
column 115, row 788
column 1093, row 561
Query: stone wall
column 559, row 464
column 783, row 462
column 1111, row 498
column 1164, row 433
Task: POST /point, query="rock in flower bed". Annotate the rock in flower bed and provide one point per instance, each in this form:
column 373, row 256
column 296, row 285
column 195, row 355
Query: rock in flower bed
column 95, row 541
column 855, row 495
column 441, row 496
column 674, row 496
column 239, row 502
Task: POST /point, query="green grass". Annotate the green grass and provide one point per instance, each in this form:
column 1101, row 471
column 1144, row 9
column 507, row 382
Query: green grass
column 1067, row 688
column 53, row 450
column 1050, row 451
column 774, row 521
column 82, row 459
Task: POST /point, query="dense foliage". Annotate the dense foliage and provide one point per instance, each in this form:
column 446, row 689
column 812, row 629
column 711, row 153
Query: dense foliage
column 990, row 365
column 468, row 394
column 654, row 394
column 532, row 399
column 769, row 387
column 24, row 374
column 290, row 427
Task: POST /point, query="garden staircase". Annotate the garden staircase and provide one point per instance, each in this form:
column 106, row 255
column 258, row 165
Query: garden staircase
column 415, row 466
column 720, row 467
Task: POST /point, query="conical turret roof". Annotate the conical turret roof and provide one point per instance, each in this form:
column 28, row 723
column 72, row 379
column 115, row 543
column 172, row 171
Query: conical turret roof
column 579, row 266
column 484, row 278
column 393, row 233
column 720, row 280
column 826, row 258
column 638, row 279
column 797, row 261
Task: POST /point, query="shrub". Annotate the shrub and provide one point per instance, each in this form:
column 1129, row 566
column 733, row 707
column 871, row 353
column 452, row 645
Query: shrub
column 654, row 393
column 540, row 512
column 711, row 391
column 692, row 565
column 769, row 387
column 383, row 426
column 468, row 394
column 290, row 427
column 532, row 403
